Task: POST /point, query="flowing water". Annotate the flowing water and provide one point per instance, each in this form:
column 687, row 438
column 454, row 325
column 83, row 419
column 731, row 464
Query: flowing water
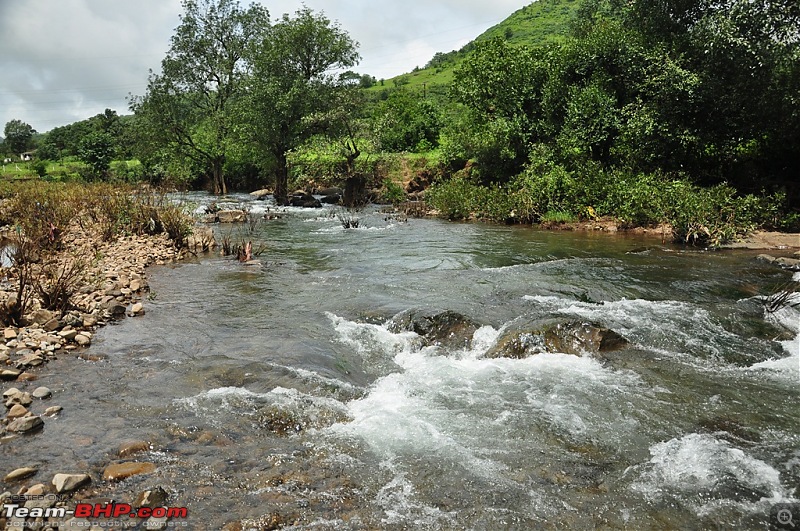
column 280, row 390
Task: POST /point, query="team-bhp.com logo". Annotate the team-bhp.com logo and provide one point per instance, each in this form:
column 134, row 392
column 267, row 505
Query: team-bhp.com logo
column 95, row 510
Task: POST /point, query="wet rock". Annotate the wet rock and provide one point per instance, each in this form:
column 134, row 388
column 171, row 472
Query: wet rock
column 52, row 411
column 331, row 199
column 448, row 328
column 70, row 482
column 231, row 216
column 304, row 200
column 42, row 393
column 792, row 264
column 132, row 448
column 565, row 337
column 19, row 397
column 27, row 377
column 120, row 471
column 261, row 195
column 575, row 337
column 26, row 425
column 116, row 309
column 517, row 345
column 17, row 411
column 11, row 392
column 20, row 473
column 137, row 310
column 152, row 498
column 729, row 429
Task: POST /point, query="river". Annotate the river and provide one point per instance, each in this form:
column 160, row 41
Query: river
column 279, row 392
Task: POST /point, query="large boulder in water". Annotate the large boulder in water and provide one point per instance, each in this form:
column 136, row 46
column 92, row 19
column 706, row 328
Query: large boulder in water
column 565, row 337
column 449, row 329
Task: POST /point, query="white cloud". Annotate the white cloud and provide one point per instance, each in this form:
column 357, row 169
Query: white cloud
column 67, row 60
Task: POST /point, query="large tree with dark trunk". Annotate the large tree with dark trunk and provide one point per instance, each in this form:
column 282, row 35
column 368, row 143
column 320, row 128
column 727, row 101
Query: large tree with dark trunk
column 293, row 78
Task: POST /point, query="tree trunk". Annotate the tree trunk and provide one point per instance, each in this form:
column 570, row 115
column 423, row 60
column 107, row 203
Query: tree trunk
column 282, row 181
column 218, row 177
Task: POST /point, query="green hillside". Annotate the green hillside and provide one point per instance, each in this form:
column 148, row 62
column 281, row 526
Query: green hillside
column 539, row 23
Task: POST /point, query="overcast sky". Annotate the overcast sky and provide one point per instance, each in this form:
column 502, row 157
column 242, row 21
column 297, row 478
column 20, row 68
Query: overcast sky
column 66, row 60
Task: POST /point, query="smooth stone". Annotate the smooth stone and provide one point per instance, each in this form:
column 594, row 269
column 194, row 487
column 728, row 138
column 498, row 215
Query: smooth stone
column 10, row 333
column 9, row 374
column 41, row 393
column 120, row 471
column 36, row 490
column 26, row 424
column 82, row 340
column 8, row 393
column 70, row 482
column 68, row 335
column 20, row 473
column 53, row 411
column 17, row 411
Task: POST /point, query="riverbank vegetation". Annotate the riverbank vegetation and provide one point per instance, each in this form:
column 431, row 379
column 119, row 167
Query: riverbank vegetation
column 51, row 229
column 683, row 114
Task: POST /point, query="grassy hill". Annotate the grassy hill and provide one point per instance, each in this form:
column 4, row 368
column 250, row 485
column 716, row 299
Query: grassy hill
column 539, row 23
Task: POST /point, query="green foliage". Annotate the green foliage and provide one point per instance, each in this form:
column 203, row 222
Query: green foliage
column 404, row 122
column 393, row 192
column 18, row 136
column 455, row 198
column 97, row 150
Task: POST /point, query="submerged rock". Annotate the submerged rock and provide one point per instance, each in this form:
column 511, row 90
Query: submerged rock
column 449, row 329
column 120, row 471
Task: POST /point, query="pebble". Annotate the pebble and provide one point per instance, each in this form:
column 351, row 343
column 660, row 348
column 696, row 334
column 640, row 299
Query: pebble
column 70, row 482
column 42, row 393
column 52, row 411
column 82, row 340
column 17, row 411
column 9, row 374
column 20, row 473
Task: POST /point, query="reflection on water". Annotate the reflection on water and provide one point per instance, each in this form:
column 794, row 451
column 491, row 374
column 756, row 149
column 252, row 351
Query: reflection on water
column 280, row 391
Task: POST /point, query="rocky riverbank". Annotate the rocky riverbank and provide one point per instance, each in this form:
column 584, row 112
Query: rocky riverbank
column 111, row 285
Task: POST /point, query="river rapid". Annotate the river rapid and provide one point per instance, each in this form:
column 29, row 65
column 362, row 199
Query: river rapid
column 279, row 391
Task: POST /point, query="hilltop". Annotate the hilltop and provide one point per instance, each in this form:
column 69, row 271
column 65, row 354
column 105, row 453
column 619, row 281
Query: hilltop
column 536, row 24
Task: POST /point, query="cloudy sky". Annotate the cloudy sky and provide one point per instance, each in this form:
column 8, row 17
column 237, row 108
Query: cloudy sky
column 66, row 60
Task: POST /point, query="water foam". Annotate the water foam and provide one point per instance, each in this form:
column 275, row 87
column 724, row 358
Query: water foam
column 456, row 405
column 787, row 368
column 704, row 473
column 670, row 327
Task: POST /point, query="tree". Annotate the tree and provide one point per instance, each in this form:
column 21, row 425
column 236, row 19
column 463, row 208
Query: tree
column 18, row 136
column 97, row 150
column 190, row 105
column 292, row 79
